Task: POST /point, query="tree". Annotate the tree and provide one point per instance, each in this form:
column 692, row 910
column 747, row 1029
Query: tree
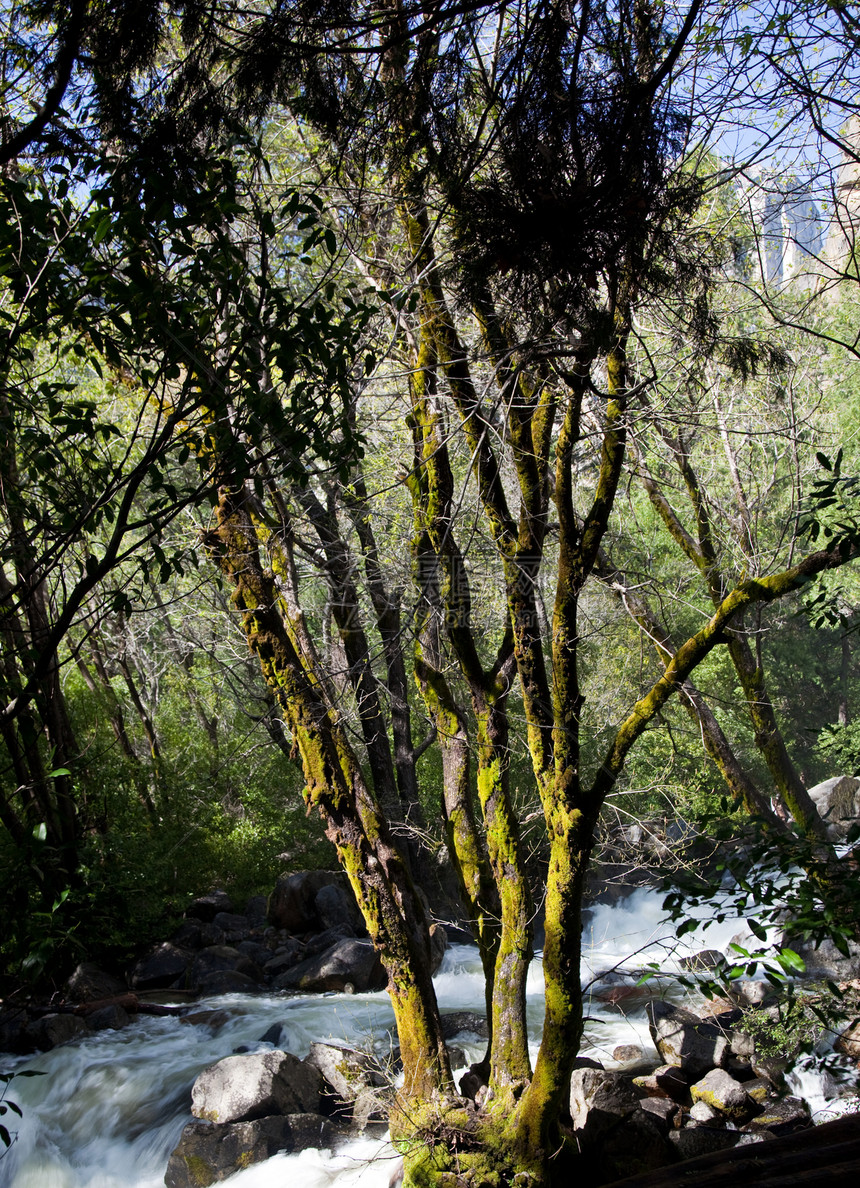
column 514, row 182
column 537, row 203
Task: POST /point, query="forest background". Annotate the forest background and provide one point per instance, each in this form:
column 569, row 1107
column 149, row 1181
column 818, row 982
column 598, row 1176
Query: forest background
column 430, row 415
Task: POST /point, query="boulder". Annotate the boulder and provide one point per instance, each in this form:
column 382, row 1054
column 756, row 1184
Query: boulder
column 89, row 983
column 108, row 1018
column 162, row 968
column 838, row 804
column 702, row 1112
column 661, row 1108
column 700, row 1138
column 14, row 1022
column 667, row 1081
column 321, row 941
column 292, row 904
column 272, row 1035
column 221, row 959
column 753, row 993
column 335, row 906
column 255, row 910
column 719, row 1090
column 438, row 946
column 782, row 1116
column 208, row 1154
column 628, row 1053
column 207, row 907
column 346, row 1070
column 53, row 1030
column 360, row 1087
column 349, row 964
column 704, row 960
column 639, row 1144
column 686, row 1041
column 226, row 981
column 464, row 1022
column 240, row 1088
column 197, row 934
column 599, row 1100
column 285, row 958
column 258, row 953
column 848, row 1041
column 234, row 926
column 824, row 961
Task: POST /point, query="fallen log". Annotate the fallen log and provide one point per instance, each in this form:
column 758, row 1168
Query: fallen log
column 129, row 1002
column 827, row 1155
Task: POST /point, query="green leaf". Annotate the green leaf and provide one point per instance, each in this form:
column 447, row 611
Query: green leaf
column 757, row 930
column 788, row 959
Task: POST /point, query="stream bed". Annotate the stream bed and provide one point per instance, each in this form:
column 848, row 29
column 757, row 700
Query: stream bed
column 112, row 1106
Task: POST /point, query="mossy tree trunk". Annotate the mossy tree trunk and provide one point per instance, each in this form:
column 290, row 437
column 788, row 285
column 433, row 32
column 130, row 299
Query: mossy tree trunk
column 335, row 786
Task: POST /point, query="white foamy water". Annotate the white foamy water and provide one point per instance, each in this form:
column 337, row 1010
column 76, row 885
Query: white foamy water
column 112, row 1106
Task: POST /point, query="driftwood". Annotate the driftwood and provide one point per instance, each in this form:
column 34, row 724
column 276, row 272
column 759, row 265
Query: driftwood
column 828, row 1155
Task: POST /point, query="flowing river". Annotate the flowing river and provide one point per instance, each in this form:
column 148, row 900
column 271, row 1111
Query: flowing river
column 112, row 1106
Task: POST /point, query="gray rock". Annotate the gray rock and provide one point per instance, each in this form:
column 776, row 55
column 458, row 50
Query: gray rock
column 292, row 904
column 753, row 993
column 258, row 953
column 771, row 1069
column 628, row 1053
column 240, row 1088
column 208, row 1154
column 684, row 1040
column 197, row 934
column 321, row 941
column 666, row 1081
column 89, row 983
column 220, row 959
column 349, row 963
column 255, row 910
column 825, row 961
column 637, row 1145
column 283, row 960
column 234, row 926
column 746, row 939
column 838, row 804
column 226, row 981
column 783, row 1116
column 662, row 1108
column 207, row 907
column 162, row 968
column 464, row 1022
column 438, row 946
column 599, row 1100
column 53, row 1030
column 108, row 1018
column 272, row 1035
column 702, row 1112
column 347, row 1070
column 721, row 1092
column 706, row 959
column 335, row 905
column 848, row 1041
column 702, row 1139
